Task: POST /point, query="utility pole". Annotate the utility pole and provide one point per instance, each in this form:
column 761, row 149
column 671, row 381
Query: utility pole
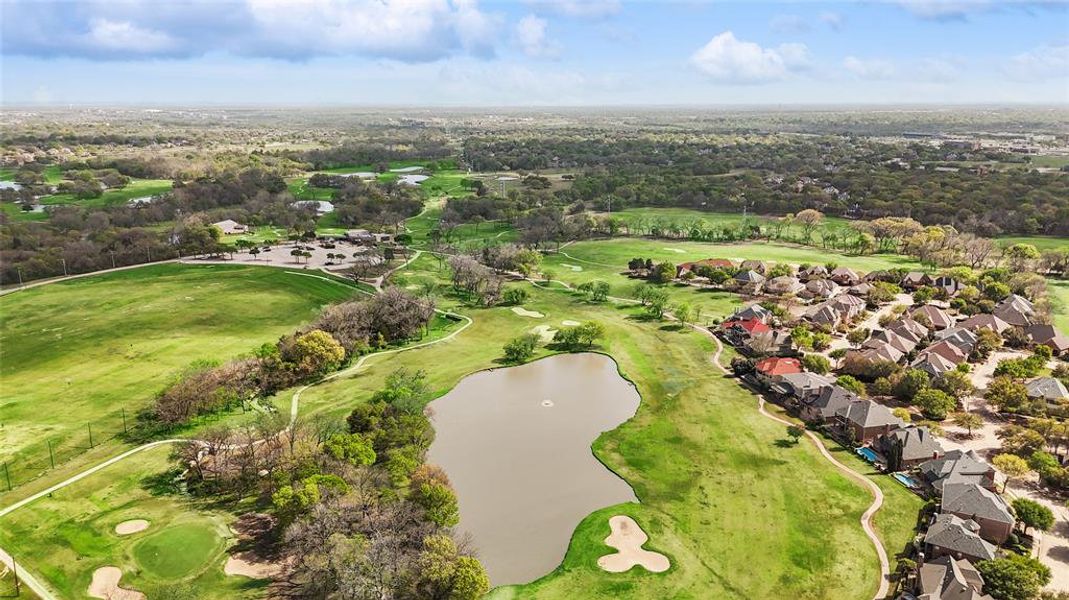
column 89, row 426
column 51, row 456
column 124, row 420
column 7, row 476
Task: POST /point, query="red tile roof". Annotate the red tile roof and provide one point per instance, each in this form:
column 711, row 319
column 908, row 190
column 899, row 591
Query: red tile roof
column 751, row 326
column 779, row 366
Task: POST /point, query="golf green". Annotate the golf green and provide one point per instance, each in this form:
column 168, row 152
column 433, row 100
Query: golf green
column 178, row 551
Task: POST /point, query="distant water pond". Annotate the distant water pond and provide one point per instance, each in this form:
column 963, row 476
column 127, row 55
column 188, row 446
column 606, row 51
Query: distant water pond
column 516, row 443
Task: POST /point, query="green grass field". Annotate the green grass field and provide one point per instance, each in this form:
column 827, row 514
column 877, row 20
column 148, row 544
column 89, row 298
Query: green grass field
column 1042, row 242
column 137, row 188
column 74, row 354
column 69, row 535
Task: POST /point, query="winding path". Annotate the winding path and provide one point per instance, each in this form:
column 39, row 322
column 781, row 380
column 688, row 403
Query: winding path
column 877, row 493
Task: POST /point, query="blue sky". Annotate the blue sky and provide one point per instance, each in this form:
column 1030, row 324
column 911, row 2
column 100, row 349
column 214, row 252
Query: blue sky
column 532, row 52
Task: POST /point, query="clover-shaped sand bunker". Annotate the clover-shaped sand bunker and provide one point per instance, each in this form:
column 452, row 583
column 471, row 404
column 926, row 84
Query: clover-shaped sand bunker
column 627, row 537
column 105, row 585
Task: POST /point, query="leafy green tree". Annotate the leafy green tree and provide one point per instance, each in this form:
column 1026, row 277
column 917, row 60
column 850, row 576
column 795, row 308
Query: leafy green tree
column 1032, row 514
column 1013, row 577
column 291, row 501
column 935, row 403
column 600, row 291
column 1005, row 394
column 404, row 390
column 663, row 273
column 816, row 363
column 316, row 352
column 515, row 296
column 850, row 383
column 439, row 503
column 350, row 447
column 821, row 341
column 1011, row 465
column 956, row 384
column 448, row 575
column 967, row 421
column 795, row 432
column 910, row 384
column 522, row 348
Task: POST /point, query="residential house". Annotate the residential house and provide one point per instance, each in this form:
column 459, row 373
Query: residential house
column 769, row 343
column 1016, row 310
column 802, row 387
column 915, row 280
column 737, row 332
column 964, row 339
column 891, row 338
column 1049, row 389
column 837, row 310
column 754, row 265
column 231, row 227
column 947, row 350
column 844, row 276
column 861, row 290
column 753, row 311
column 936, row 316
column 909, row 328
column 884, row 276
column 908, row 447
column 984, row 507
column 948, row 578
column 769, row 370
column 958, row 538
column 820, row 288
column 863, row 420
column 822, row 407
column 933, row 364
column 1048, row 335
column 714, row 263
column 749, row 281
column 783, row 285
column 957, row 466
column 880, row 351
column 812, row 272
column 948, row 284
column 985, row 321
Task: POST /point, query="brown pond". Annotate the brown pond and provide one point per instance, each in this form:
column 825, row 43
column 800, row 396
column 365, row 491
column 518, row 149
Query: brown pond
column 516, row 445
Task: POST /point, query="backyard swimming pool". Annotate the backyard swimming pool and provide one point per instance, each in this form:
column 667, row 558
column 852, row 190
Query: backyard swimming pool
column 868, row 454
column 907, row 481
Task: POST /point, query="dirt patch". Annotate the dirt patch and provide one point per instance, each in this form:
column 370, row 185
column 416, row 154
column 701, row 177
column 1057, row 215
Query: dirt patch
column 131, row 526
column 627, row 537
column 105, row 584
column 523, row 312
column 575, row 268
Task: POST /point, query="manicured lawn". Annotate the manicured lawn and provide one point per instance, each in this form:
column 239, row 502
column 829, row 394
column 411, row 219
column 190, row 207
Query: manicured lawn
column 1059, row 294
column 178, row 550
column 74, row 354
column 137, row 188
column 64, row 538
column 1042, row 242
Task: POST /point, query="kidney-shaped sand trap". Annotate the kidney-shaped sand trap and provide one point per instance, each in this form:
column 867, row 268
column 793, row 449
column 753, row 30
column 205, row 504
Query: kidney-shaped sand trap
column 105, row 585
column 627, row 537
column 246, row 564
column 131, row 526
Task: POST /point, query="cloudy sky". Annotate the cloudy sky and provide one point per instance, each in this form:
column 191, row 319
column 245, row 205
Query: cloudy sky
column 532, row 52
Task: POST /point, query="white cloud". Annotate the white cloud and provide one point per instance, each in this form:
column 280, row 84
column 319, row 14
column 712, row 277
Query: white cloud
column 532, row 39
column 726, row 58
column 833, row 20
column 945, row 9
column 1038, row 64
column 939, row 70
column 873, row 68
column 411, row 30
column 123, row 35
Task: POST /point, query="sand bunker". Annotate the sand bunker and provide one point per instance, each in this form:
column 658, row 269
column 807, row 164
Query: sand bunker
column 246, row 565
column 627, row 537
column 572, row 267
column 676, row 250
column 132, row 526
column 523, row 312
column 544, row 332
column 570, row 323
column 105, row 585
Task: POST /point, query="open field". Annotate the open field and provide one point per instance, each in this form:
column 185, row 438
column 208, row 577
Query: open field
column 1059, row 294
column 76, row 353
column 1043, row 242
column 72, row 533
